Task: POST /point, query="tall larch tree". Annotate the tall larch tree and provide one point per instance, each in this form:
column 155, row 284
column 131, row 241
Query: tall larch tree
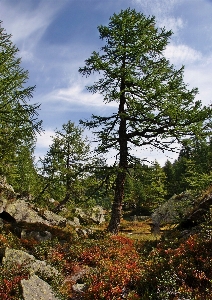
column 155, row 106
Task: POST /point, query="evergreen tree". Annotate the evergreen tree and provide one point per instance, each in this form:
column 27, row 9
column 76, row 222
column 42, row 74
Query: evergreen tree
column 170, row 181
column 18, row 118
column 64, row 164
column 155, row 107
column 23, row 173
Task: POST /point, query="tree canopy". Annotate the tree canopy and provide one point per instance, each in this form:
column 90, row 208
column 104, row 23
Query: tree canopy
column 155, row 106
column 18, row 119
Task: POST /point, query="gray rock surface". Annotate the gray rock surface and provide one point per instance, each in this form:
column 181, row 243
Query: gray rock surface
column 38, row 236
column 36, row 289
column 172, row 211
column 54, row 219
column 22, row 211
column 3, row 203
column 93, row 215
column 31, row 263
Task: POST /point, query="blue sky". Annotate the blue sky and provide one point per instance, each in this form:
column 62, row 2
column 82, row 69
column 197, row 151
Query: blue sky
column 56, row 36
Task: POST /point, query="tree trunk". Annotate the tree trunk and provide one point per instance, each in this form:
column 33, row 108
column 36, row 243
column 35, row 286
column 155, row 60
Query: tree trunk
column 115, row 219
column 114, row 224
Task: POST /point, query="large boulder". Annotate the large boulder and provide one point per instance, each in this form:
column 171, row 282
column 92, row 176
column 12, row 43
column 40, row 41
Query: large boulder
column 97, row 214
column 22, row 211
column 200, row 211
column 173, row 210
column 12, row 256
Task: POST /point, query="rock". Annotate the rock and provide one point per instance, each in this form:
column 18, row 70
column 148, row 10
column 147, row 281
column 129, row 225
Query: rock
column 3, row 203
column 23, row 212
column 84, row 232
column 81, row 232
column 79, row 287
column 38, row 236
column 97, row 215
column 93, row 215
column 6, row 189
column 36, row 289
column 54, row 219
column 75, row 222
column 198, row 213
column 172, row 211
column 34, row 266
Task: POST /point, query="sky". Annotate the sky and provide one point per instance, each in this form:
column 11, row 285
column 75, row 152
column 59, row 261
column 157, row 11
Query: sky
column 55, row 37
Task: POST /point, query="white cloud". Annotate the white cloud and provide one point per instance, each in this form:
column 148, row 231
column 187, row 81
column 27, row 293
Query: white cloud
column 171, row 23
column 27, row 20
column 200, row 77
column 157, row 7
column 182, row 54
column 163, row 12
column 45, row 138
column 77, row 95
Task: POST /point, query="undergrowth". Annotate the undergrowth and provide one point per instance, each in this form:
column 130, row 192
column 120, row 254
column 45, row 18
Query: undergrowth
column 117, row 267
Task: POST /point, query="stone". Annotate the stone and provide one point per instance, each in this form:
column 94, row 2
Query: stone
column 173, row 210
column 79, row 287
column 36, row 289
column 34, row 266
column 95, row 215
column 74, row 223
column 3, row 203
column 54, row 219
column 23, row 212
column 38, row 236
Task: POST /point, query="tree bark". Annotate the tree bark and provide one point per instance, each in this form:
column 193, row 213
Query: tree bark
column 116, row 213
column 115, row 220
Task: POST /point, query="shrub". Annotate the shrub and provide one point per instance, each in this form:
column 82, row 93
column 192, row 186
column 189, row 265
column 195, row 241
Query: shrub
column 115, row 269
column 10, row 281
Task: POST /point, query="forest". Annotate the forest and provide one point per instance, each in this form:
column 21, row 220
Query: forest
column 155, row 109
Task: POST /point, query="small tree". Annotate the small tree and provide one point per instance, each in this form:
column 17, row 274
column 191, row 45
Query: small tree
column 155, row 107
column 64, row 163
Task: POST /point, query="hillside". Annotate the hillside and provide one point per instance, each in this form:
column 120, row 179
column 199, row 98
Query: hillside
column 53, row 258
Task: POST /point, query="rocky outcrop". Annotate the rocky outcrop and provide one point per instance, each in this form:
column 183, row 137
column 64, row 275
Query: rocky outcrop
column 174, row 210
column 34, row 266
column 30, row 228
column 3, row 203
column 22, row 211
column 199, row 213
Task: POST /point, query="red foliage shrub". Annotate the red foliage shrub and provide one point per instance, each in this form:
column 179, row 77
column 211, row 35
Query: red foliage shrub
column 116, row 269
column 10, row 282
